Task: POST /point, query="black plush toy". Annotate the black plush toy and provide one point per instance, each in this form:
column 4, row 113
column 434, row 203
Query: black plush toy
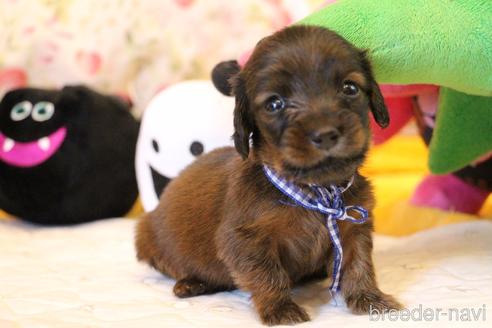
column 66, row 156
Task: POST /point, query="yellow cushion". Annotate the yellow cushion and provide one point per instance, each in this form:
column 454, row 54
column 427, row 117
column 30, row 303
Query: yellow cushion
column 395, row 168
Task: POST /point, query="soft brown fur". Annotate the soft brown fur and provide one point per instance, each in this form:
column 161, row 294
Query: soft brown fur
column 220, row 225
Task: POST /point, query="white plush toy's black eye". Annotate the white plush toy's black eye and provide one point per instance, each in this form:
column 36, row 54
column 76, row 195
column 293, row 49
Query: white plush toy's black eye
column 21, row 110
column 196, row 148
column 43, row 111
column 155, row 145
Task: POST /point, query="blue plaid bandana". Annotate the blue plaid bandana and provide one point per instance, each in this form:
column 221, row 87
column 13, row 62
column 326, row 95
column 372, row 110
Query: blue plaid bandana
column 326, row 200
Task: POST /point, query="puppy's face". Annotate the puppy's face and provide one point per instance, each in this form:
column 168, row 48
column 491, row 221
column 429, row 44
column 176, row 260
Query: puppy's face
column 304, row 97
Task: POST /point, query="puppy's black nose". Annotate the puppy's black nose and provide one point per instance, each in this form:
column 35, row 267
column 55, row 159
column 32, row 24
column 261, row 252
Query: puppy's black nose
column 326, row 138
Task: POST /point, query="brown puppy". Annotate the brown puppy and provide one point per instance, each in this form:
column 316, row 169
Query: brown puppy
column 302, row 103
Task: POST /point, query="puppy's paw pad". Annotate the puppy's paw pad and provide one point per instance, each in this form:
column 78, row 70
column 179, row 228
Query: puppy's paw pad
column 284, row 313
column 363, row 303
column 189, row 287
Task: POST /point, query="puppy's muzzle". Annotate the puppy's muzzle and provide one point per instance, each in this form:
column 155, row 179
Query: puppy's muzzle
column 325, row 138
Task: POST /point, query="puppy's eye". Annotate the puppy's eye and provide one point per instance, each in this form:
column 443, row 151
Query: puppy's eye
column 275, row 104
column 349, row 88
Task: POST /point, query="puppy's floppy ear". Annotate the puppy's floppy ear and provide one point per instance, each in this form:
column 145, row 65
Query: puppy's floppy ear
column 243, row 123
column 221, row 75
column 378, row 107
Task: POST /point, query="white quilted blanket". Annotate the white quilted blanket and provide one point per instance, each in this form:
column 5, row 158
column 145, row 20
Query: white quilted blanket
column 87, row 276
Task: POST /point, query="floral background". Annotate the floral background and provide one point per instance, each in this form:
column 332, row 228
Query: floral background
column 131, row 47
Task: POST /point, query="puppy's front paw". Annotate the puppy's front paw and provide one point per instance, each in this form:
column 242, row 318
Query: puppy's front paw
column 189, row 287
column 363, row 302
column 284, row 313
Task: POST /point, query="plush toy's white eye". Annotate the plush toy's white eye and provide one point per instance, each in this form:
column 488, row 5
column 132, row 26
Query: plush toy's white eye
column 43, row 111
column 21, row 110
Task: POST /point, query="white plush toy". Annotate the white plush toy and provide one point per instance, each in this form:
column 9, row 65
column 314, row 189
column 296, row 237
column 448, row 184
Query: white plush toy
column 180, row 123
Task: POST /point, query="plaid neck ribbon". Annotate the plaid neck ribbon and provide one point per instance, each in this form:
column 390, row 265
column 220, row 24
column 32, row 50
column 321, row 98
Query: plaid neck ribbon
column 328, row 201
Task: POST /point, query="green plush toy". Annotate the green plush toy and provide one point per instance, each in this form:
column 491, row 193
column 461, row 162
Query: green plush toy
column 446, row 43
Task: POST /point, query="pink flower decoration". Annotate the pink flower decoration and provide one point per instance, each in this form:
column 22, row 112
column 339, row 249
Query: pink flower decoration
column 244, row 57
column 283, row 19
column 89, row 61
column 29, row 30
column 12, row 78
column 46, row 59
column 329, row 2
column 184, row 3
column 125, row 97
column 161, row 87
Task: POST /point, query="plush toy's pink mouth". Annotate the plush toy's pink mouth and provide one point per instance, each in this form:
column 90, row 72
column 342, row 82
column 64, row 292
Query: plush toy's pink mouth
column 27, row 154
